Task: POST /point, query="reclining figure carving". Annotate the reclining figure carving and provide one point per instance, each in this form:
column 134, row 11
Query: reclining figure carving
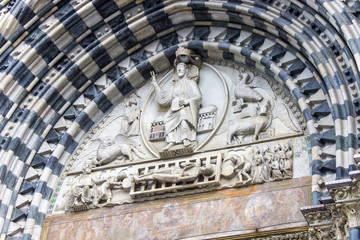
column 174, row 174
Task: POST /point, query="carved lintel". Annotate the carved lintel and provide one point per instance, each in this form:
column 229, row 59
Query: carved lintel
column 178, row 175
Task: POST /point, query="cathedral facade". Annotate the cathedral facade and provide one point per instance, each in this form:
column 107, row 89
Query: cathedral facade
column 163, row 119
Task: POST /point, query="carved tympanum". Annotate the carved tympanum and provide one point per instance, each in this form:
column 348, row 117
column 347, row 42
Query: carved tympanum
column 206, row 124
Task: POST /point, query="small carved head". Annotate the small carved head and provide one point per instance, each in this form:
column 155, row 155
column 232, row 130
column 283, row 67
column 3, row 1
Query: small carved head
column 285, row 147
column 277, row 147
column 108, row 142
column 257, row 161
column 181, row 69
column 265, row 149
column 121, row 175
column 256, row 150
column 207, row 170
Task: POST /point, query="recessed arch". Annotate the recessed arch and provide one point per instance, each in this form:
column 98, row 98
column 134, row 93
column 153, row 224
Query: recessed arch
column 40, row 96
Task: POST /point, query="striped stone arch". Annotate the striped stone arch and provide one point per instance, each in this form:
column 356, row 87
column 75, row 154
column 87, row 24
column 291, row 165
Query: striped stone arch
column 65, row 64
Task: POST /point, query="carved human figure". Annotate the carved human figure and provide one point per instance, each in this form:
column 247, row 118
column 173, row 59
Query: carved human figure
column 130, row 125
column 275, row 171
column 277, row 152
column 286, row 160
column 242, row 168
column 183, row 99
column 72, row 197
column 77, row 195
column 183, row 173
column 259, row 171
column 265, row 151
column 105, row 184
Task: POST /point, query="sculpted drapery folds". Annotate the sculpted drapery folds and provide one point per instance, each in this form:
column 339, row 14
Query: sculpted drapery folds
column 183, row 99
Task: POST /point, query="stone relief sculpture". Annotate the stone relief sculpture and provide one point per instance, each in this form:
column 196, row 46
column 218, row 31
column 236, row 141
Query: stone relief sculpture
column 259, row 171
column 104, row 186
column 111, row 150
column 173, row 176
column 183, row 100
column 256, row 165
column 242, row 167
column 183, row 173
column 244, row 93
column 275, row 170
column 340, row 228
column 180, row 125
column 107, row 151
column 260, row 165
column 319, row 234
column 130, row 124
column 286, row 160
column 255, row 110
column 98, row 193
column 74, row 197
column 238, row 128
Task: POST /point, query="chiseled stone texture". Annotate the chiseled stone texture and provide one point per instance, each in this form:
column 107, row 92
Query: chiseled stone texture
column 259, row 208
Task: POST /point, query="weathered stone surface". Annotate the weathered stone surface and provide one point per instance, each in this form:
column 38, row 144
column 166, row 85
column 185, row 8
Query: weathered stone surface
column 258, row 208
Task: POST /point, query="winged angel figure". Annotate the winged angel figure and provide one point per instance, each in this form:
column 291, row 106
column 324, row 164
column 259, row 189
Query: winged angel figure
column 255, row 107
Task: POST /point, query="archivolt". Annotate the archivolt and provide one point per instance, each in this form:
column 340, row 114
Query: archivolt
column 75, row 83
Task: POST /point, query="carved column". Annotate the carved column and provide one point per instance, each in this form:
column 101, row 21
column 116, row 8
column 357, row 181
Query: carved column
column 338, row 217
column 347, row 197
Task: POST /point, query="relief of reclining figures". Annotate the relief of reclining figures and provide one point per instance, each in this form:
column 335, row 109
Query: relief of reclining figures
column 183, row 173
